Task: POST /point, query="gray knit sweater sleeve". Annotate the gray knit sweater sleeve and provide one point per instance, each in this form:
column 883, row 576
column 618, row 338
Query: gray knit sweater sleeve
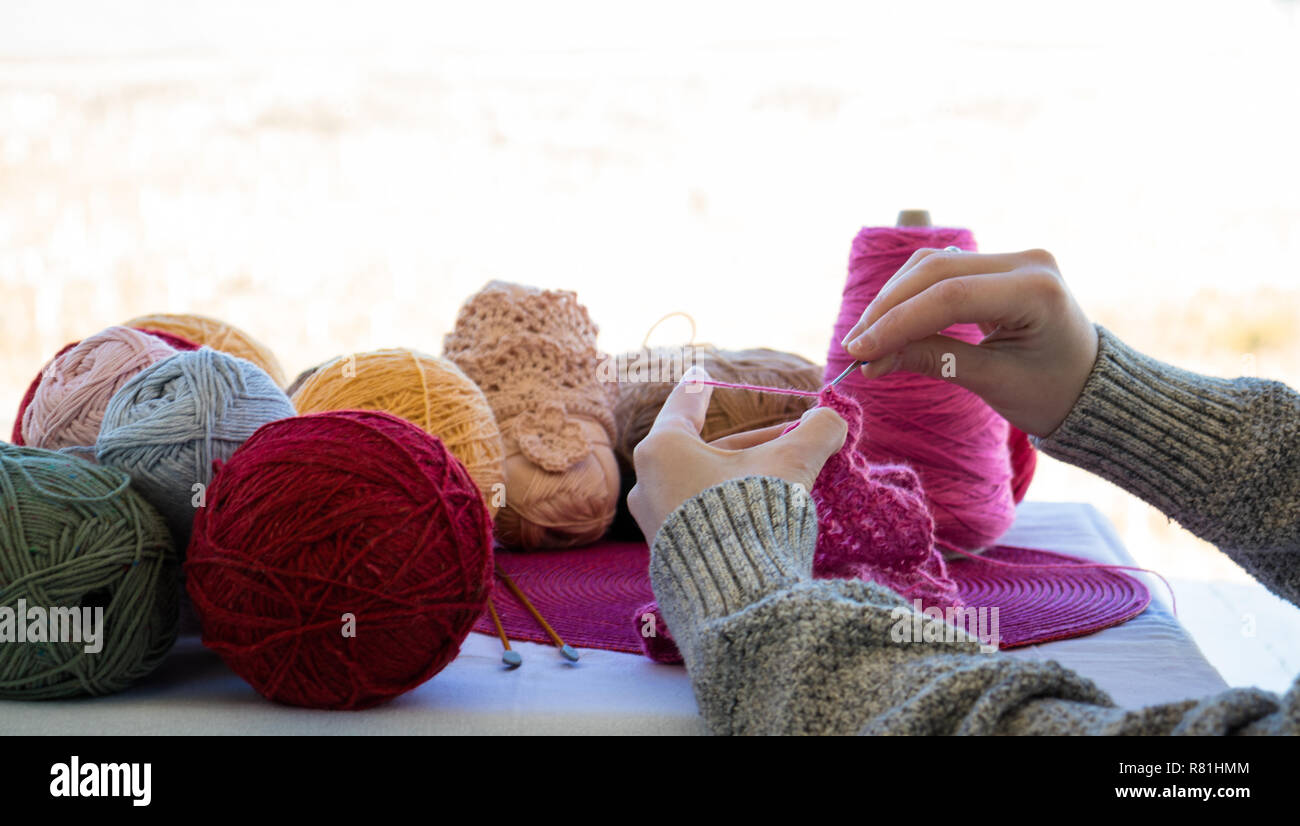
column 771, row 650
column 1220, row 456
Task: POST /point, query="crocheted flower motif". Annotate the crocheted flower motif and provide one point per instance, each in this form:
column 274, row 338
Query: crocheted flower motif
column 524, row 347
column 549, row 438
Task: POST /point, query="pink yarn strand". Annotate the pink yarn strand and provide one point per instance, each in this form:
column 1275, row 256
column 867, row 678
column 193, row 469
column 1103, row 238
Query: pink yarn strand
column 785, row 391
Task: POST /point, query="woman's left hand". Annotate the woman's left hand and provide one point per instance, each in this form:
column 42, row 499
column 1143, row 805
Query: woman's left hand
column 673, row 463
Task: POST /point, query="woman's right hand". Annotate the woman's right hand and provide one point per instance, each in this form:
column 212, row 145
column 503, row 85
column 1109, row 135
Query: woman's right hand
column 1038, row 347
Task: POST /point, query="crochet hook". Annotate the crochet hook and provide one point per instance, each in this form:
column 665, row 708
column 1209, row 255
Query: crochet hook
column 842, row 376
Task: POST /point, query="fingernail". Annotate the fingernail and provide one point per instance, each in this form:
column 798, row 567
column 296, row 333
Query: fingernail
column 694, row 379
column 861, row 344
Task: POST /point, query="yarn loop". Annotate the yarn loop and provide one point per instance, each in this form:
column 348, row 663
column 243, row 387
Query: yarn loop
column 649, row 375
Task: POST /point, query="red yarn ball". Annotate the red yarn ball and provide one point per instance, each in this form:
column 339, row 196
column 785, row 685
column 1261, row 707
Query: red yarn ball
column 340, row 513
column 177, row 342
column 16, row 437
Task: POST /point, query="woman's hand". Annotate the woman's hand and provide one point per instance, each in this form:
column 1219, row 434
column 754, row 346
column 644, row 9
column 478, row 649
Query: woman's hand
column 673, row 463
column 1038, row 345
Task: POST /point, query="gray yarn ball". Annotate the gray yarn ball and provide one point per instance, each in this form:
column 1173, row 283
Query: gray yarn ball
column 167, row 425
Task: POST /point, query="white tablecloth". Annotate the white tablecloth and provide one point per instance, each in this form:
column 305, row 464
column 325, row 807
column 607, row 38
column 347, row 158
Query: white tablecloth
column 1148, row 659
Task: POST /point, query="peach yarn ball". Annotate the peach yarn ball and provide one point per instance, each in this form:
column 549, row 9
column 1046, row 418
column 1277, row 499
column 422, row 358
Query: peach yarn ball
column 533, row 352
column 215, row 334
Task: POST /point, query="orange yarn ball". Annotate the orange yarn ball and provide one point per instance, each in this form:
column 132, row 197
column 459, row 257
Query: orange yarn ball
column 215, row 334
column 430, row 392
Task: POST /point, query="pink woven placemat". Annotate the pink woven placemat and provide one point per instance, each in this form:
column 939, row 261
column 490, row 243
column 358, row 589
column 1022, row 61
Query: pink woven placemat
column 591, row 594
column 1037, row 605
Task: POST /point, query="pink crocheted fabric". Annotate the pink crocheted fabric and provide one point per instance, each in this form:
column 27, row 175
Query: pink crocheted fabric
column 660, row 645
column 872, row 524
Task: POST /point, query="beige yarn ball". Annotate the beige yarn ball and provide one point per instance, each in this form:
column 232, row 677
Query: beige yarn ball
column 647, row 376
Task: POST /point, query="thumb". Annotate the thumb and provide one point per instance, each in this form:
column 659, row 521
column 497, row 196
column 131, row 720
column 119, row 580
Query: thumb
column 801, row 453
column 938, row 357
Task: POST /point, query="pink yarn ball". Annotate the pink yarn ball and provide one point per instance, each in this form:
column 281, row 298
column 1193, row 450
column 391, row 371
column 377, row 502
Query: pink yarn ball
column 74, row 388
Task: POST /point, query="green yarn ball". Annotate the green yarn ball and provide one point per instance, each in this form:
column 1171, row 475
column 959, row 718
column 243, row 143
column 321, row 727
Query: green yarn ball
column 75, row 535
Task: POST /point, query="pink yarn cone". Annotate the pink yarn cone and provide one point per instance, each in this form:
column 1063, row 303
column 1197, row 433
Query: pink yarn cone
column 954, row 441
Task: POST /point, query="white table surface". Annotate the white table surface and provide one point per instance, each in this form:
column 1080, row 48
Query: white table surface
column 1146, row 660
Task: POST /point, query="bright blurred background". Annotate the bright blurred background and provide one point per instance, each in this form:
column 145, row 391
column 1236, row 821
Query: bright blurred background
column 339, row 180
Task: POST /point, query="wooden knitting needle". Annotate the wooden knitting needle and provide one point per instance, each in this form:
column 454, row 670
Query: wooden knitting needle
column 509, row 657
column 566, row 650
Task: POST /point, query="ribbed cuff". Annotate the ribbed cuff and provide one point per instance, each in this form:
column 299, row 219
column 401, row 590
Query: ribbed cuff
column 729, row 546
column 1155, row 430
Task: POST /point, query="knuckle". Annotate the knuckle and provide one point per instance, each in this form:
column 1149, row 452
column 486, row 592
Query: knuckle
column 1045, row 284
column 1045, row 288
column 954, row 291
column 1040, row 257
column 887, row 325
column 643, row 451
column 836, row 427
column 931, row 263
column 922, row 361
column 919, row 256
